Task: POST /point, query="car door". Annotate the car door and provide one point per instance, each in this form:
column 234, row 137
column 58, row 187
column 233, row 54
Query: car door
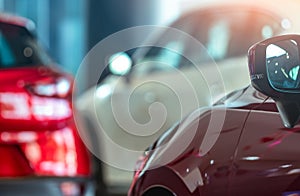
column 267, row 160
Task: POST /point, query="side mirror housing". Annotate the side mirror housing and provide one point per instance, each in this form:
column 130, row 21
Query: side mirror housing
column 274, row 66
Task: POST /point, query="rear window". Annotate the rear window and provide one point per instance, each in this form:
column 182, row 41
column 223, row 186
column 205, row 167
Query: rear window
column 18, row 47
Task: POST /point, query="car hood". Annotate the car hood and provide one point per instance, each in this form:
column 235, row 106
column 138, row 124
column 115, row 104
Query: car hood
column 232, row 144
column 242, row 101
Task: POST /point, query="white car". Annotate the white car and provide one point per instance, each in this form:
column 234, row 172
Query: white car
column 167, row 82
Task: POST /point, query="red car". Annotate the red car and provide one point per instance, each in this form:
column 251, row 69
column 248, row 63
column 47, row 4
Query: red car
column 41, row 152
column 246, row 144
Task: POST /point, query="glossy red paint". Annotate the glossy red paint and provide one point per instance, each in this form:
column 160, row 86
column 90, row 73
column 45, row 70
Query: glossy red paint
column 38, row 136
column 248, row 152
column 16, row 165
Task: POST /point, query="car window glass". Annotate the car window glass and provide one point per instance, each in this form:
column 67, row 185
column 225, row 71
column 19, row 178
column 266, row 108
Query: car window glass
column 6, row 56
column 223, row 33
column 230, row 33
column 160, row 59
column 19, row 48
column 217, row 43
column 171, row 54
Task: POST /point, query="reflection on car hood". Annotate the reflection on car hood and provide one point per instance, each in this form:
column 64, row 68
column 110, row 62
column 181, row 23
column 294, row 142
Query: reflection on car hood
column 242, row 100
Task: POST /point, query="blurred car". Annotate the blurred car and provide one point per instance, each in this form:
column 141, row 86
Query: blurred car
column 122, row 104
column 246, row 144
column 41, row 151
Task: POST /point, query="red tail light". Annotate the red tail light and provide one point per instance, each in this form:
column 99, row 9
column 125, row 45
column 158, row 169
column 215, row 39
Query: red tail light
column 43, row 153
column 52, row 87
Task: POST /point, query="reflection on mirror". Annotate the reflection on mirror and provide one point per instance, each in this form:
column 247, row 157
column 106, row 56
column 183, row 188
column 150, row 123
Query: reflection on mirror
column 282, row 61
column 120, row 63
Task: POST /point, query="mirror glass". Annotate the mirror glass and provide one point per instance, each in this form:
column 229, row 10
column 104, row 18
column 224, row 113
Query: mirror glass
column 119, row 63
column 282, row 61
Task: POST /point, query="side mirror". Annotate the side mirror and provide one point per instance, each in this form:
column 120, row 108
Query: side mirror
column 274, row 66
column 119, row 63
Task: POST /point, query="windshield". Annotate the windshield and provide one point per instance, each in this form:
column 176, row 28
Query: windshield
column 224, row 34
column 18, row 47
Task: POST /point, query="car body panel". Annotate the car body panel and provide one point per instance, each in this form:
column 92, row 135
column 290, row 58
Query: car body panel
column 249, row 152
column 212, row 160
column 267, row 159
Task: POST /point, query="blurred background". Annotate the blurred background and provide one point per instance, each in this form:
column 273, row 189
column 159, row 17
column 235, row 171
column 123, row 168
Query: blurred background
column 70, row 28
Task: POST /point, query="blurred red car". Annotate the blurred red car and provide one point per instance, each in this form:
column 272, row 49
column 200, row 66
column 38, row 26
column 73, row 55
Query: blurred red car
column 41, row 152
column 246, row 144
